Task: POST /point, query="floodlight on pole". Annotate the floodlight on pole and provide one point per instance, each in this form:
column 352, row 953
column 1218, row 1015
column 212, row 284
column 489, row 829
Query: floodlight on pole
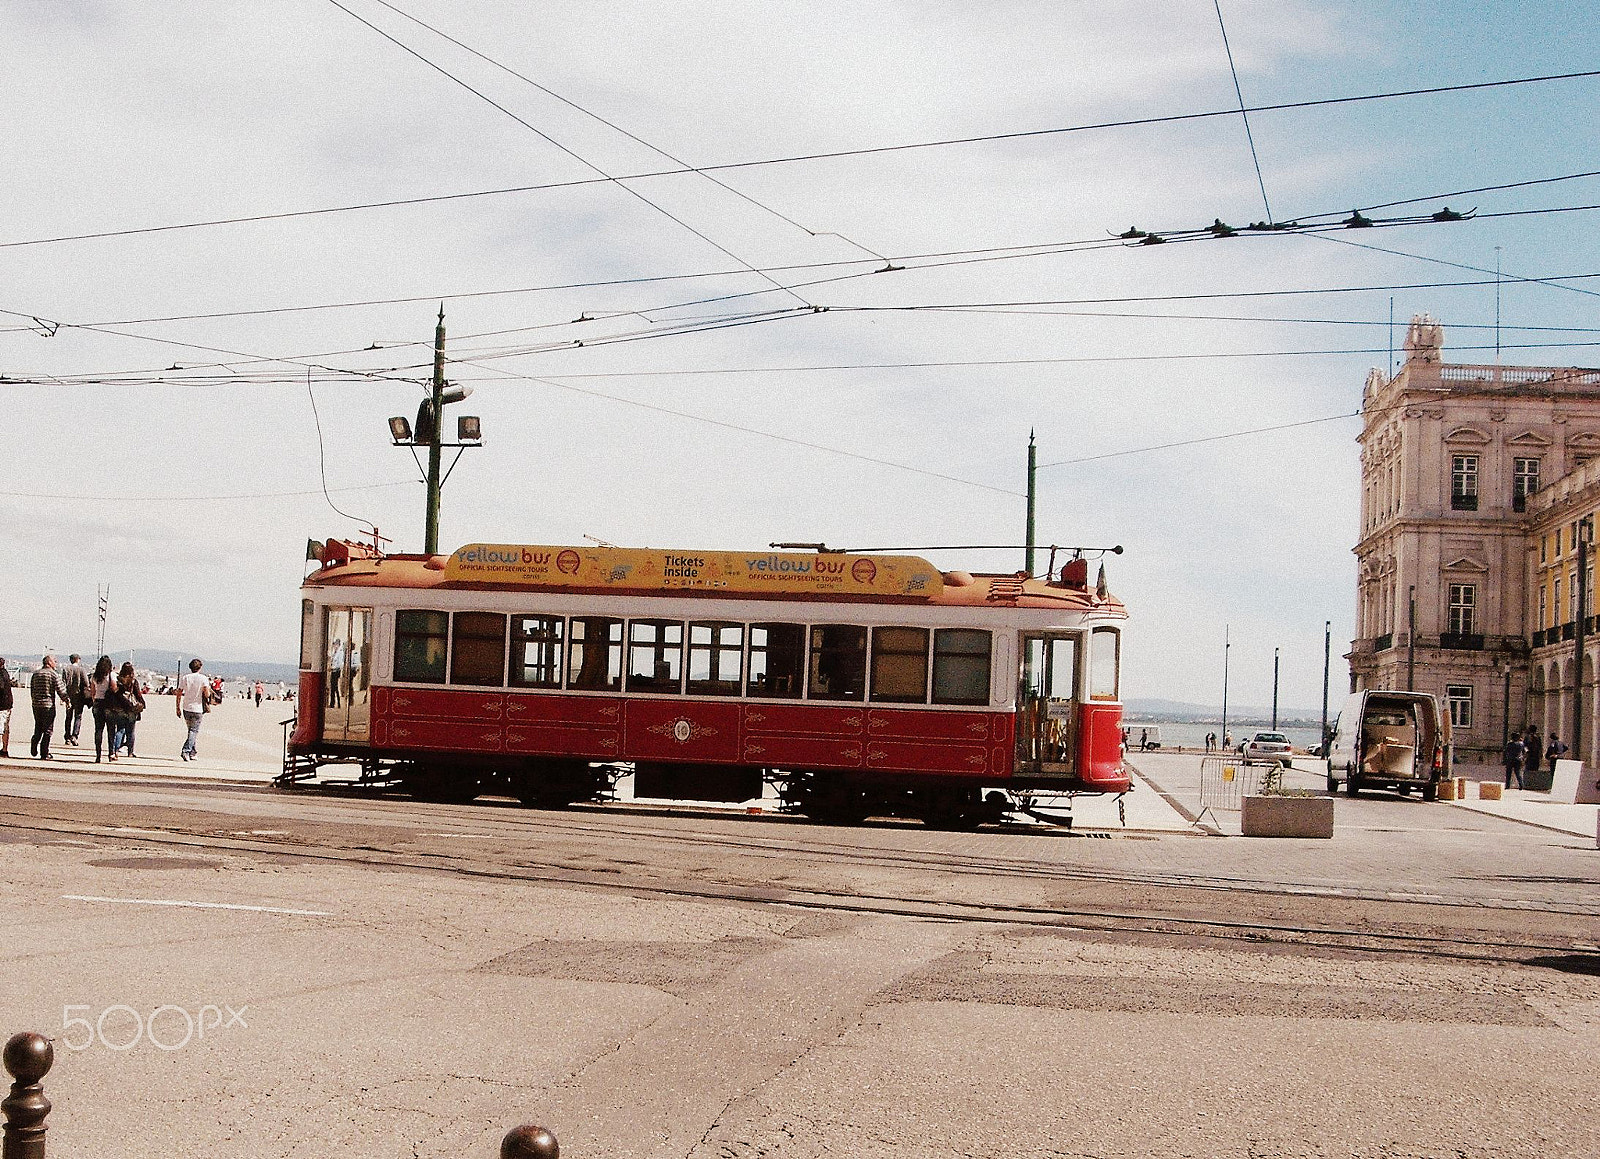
column 400, row 429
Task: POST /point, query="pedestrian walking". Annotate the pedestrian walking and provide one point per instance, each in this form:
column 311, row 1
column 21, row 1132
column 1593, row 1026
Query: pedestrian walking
column 102, row 683
column 7, row 699
column 1515, row 750
column 192, row 703
column 77, row 682
column 127, row 704
column 259, row 691
column 1554, row 751
column 45, row 689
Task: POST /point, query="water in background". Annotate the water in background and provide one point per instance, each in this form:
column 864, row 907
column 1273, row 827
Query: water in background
column 1175, row 734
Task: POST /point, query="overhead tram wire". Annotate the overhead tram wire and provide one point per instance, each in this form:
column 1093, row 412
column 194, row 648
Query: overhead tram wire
column 724, row 424
column 1243, row 111
column 1132, row 122
column 1046, row 247
column 1455, row 265
column 582, row 160
column 612, row 125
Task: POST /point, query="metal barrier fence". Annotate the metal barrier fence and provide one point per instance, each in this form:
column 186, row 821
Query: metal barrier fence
column 28, row 1058
column 1224, row 784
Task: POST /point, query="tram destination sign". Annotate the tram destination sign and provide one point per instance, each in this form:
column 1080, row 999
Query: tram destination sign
column 647, row 569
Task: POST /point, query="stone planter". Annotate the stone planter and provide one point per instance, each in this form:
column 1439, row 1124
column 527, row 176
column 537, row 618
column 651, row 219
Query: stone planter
column 1287, row 817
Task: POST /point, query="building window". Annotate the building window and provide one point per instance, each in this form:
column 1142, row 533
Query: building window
column 419, row 646
column 777, row 660
column 1459, row 697
column 536, row 651
column 1463, row 609
column 1572, row 594
column 716, row 652
column 1464, row 482
column 961, row 666
column 1555, row 602
column 1544, row 549
column 900, row 665
column 1524, row 482
column 1543, row 612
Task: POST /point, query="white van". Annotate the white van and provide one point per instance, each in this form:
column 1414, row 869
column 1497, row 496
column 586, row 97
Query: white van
column 1389, row 739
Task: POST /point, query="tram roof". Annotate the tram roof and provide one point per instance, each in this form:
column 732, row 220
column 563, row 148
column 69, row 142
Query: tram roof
column 830, row 577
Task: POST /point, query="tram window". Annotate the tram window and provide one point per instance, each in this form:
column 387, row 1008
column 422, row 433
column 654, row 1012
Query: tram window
column 419, row 646
column 478, row 649
column 838, row 662
column 536, row 651
column 1103, row 661
column 961, row 666
column 716, row 651
column 308, row 642
column 777, row 660
column 594, row 654
column 900, row 665
column 655, row 656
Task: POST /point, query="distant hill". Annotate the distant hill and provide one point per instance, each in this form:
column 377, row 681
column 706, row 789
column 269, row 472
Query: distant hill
column 163, row 659
column 1155, row 710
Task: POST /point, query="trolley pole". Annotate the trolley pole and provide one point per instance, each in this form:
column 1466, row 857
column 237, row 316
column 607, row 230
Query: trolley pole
column 1275, row 689
column 1327, row 655
column 431, row 531
column 1033, row 462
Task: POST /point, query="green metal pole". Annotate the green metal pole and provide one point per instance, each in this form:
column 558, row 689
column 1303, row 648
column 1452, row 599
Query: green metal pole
column 1033, row 463
column 431, row 536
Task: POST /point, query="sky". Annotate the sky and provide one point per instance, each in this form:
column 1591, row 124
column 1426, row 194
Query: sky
column 728, row 359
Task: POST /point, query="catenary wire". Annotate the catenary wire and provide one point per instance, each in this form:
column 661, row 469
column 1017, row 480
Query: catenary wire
column 612, row 125
column 1131, row 122
column 546, row 137
column 1243, row 113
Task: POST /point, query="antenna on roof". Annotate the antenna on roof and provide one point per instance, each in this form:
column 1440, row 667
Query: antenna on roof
column 597, row 541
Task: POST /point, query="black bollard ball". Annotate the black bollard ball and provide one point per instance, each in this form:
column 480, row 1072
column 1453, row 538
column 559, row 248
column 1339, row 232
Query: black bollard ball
column 28, row 1057
column 529, row 1142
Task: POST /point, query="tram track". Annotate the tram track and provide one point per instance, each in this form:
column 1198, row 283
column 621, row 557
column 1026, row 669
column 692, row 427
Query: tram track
column 636, row 878
column 520, row 824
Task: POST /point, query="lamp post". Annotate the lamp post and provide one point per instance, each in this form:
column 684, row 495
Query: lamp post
column 429, row 433
column 1275, row 689
column 1327, row 654
column 1225, row 646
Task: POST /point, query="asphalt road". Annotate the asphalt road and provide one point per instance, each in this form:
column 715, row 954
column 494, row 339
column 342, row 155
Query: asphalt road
column 411, row 980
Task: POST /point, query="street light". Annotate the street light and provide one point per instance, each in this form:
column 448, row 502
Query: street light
column 469, row 433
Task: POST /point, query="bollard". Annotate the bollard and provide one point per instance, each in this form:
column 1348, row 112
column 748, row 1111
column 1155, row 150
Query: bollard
column 529, row 1142
column 27, row 1059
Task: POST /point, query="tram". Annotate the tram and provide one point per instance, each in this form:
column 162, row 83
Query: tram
column 854, row 684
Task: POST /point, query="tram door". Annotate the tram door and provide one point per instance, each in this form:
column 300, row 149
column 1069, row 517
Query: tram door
column 347, row 699
column 1047, row 702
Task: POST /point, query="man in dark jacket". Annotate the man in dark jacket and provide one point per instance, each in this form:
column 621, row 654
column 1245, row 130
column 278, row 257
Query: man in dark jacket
column 6, row 700
column 77, row 682
column 1514, row 753
column 45, row 689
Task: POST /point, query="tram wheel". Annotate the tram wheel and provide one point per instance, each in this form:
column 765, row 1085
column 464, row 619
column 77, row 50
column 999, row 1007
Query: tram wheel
column 836, row 805
column 955, row 811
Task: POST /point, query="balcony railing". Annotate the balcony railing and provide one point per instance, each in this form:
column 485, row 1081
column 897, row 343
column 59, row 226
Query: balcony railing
column 1463, row 502
column 1537, row 640
column 1383, row 643
column 1462, row 641
column 1519, row 502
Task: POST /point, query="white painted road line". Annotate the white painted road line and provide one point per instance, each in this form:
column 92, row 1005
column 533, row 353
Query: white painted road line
column 260, row 909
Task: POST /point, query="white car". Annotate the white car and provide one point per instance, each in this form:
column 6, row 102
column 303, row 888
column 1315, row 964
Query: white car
column 1268, row 748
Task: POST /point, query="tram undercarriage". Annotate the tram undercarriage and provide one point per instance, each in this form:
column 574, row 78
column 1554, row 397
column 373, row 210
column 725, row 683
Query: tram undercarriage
column 825, row 796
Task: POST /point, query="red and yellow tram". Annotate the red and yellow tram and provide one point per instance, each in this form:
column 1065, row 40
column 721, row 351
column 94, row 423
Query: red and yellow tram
column 855, row 684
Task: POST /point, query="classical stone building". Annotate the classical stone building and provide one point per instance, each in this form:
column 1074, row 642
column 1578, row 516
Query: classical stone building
column 1457, row 463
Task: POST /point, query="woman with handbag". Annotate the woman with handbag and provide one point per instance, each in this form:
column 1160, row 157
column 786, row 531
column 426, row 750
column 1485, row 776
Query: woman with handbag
column 127, row 705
